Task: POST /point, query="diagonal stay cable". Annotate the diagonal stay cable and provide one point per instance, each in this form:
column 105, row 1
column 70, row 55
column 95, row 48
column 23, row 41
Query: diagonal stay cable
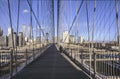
column 88, row 26
column 35, row 16
column 74, row 20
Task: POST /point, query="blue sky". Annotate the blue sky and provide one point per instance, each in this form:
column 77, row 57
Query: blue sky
column 105, row 21
column 105, row 28
column 44, row 15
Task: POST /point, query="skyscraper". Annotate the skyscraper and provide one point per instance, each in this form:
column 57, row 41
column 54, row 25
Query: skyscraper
column 20, row 36
column 15, row 39
column 29, row 32
column 3, row 41
column 10, row 30
column 10, row 42
column 1, row 31
column 24, row 33
column 81, row 40
column 65, row 37
column 24, row 30
column 72, row 39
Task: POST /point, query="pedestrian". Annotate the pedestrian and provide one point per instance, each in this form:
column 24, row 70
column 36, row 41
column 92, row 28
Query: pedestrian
column 61, row 49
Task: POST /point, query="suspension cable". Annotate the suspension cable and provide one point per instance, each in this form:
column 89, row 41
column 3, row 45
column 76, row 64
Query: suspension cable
column 17, row 29
column 73, row 21
column 88, row 36
column 35, row 16
column 11, row 54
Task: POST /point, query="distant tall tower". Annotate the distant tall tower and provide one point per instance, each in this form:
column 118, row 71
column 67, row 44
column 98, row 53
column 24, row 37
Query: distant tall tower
column 10, row 30
column 24, row 34
column 20, row 36
column 29, row 32
column 1, row 31
column 81, row 40
column 65, row 37
column 24, row 30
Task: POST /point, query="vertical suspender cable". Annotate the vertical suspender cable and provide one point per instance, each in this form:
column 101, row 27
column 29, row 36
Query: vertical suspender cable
column 37, row 16
column 88, row 37
column 11, row 54
column 53, row 35
column 32, row 36
column 93, row 53
column 118, row 28
column 37, row 24
column 17, row 31
column 77, row 33
column 18, row 15
column 113, row 69
column 31, row 20
column 109, row 69
column 41, row 22
column 10, row 21
column 58, row 17
column 69, row 45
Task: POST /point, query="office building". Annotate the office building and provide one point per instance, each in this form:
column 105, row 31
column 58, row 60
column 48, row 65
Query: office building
column 72, row 39
column 65, row 37
column 15, row 39
column 20, row 38
column 29, row 32
column 38, row 39
column 55, row 38
column 24, row 30
column 10, row 30
column 1, row 31
column 118, row 39
column 81, row 40
column 10, row 40
column 3, row 41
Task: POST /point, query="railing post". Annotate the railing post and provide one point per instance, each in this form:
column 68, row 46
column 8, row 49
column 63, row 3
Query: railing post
column 119, row 58
column 71, row 52
column 16, row 60
column 26, row 57
column 0, row 61
column 94, row 55
column 119, row 64
column 74, row 56
column 82, row 58
column 78, row 57
column 33, row 54
column 11, row 62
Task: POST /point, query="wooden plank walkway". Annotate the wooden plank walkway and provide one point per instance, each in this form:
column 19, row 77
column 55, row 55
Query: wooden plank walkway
column 51, row 65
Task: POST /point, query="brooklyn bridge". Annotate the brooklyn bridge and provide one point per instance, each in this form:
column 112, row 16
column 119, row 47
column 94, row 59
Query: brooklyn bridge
column 59, row 39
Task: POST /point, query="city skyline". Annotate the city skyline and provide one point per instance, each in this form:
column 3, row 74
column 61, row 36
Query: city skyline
column 65, row 19
column 60, row 39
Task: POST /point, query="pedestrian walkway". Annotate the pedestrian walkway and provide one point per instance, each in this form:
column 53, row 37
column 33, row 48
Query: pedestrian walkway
column 51, row 65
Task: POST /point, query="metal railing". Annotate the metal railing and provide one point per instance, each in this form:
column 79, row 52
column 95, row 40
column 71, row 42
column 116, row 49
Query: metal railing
column 106, row 68
column 12, row 62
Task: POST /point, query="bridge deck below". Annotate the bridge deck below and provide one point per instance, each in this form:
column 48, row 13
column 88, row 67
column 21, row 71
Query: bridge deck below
column 51, row 65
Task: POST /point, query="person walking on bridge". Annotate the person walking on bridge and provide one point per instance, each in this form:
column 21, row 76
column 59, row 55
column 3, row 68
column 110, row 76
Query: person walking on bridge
column 61, row 49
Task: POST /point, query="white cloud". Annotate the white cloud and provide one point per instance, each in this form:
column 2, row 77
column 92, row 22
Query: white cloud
column 25, row 11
